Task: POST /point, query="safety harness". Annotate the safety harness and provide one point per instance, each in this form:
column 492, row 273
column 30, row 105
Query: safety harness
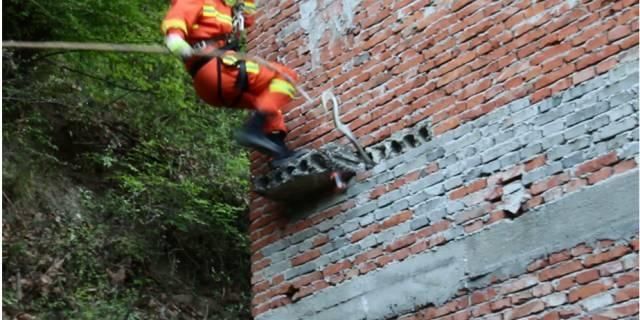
column 232, row 42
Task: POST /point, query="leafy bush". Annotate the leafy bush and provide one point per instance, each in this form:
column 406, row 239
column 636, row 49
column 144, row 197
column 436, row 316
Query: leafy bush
column 110, row 162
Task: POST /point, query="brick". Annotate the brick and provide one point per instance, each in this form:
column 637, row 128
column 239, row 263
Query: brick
column 366, row 267
column 525, row 282
column 554, row 315
column 521, row 297
column 620, row 312
column 500, row 304
column 336, row 267
column 600, row 175
column 626, row 294
column 481, row 310
column 610, row 268
column 305, row 257
column 473, row 226
column 554, row 181
column 401, row 254
column 618, row 32
column 555, row 299
column 586, row 291
column 537, row 265
column 629, row 41
column 596, row 164
column 542, row 289
column 606, row 256
column 540, row 94
column 447, row 125
column 496, row 216
column 320, row 240
column 307, row 279
column 471, row 188
column 626, row 278
column 534, row 202
column 495, row 194
column 397, row 219
column 616, row 128
column 362, row 233
column 418, row 247
column 606, row 65
column 554, row 76
column 369, row 255
column 594, row 58
column 587, row 276
column 527, row 309
column 569, row 312
column 565, row 283
column 559, row 256
column 584, row 75
column 401, row 243
column 535, row 162
column 482, row 296
column 559, row 270
column 597, row 302
column 624, row 166
column 581, row 250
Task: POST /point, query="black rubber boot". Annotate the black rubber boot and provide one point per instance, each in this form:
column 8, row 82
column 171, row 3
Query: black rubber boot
column 278, row 139
column 252, row 136
column 281, row 159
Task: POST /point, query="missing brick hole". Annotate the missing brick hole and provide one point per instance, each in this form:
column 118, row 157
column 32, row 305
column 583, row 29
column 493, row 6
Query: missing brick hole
column 318, row 161
column 424, row 133
column 262, row 182
column 411, row 140
column 512, row 215
column 396, row 146
column 304, row 165
column 279, row 176
column 553, row 43
column 383, row 151
column 291, row 291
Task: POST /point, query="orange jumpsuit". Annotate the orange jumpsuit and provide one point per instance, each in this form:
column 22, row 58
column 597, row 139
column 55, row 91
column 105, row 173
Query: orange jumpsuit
column 211, row 20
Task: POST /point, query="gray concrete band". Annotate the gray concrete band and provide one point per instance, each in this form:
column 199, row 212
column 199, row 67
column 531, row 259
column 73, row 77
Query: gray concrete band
column 608, row 210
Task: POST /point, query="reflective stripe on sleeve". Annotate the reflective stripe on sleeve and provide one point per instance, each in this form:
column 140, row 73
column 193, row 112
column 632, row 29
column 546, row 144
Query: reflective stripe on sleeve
column 174, row 24
column 211, row 11
column 282, row 86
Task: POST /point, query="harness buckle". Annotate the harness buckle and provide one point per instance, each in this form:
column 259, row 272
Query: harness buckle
column 200, row 45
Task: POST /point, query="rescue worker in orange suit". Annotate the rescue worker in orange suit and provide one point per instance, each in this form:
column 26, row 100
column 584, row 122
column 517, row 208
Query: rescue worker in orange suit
column 192, row 25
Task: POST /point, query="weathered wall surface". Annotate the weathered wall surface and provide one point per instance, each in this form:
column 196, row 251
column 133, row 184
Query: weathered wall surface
column 506, row 136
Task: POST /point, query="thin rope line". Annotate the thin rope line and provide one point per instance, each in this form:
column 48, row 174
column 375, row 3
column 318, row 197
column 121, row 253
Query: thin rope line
column 141, row 48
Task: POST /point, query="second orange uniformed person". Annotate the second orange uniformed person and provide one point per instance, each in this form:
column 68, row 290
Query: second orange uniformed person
column 229, row 81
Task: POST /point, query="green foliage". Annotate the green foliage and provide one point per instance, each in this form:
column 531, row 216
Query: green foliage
column 113, row 162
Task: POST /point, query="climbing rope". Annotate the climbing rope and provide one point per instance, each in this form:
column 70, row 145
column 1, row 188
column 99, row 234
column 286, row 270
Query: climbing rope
column 142, row 48
column 327, row 96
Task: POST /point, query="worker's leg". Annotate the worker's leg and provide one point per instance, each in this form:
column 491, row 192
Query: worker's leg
column 215, row 83
column 272, row 93
column 267, row 94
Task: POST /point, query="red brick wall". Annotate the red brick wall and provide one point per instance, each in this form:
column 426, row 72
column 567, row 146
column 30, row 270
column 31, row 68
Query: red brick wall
column 462, row 61
column 446, row 64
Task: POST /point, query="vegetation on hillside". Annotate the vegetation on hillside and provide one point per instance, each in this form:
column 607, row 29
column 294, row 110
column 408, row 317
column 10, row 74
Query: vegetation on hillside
column 124, row 196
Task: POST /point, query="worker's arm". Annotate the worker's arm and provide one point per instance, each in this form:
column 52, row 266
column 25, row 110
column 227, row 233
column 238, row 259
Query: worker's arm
column 176, row 25
column 181, row 16
column 249, row 13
